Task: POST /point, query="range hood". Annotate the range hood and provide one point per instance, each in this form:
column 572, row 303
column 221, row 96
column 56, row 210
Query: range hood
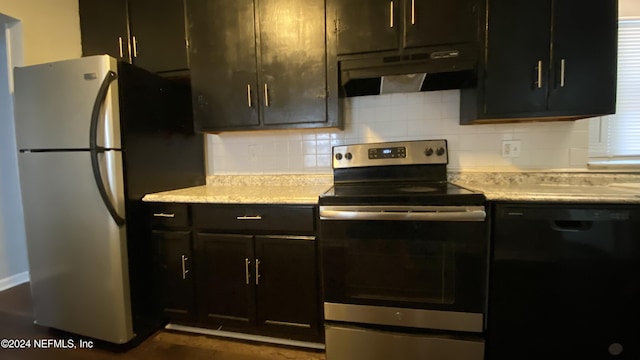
column 442, row 68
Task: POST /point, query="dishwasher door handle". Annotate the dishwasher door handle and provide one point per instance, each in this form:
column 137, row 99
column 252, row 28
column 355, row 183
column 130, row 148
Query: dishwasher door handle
column 571, row 225
column 401, row 213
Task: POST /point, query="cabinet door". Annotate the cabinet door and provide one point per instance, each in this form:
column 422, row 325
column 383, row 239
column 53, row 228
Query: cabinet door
column 223, row 63
column 288, row 300
column 158, row 34
column 293, row 63
column 176, row 275
column 436, row 22
column 367, row 25
column 583, row 76
column 104, row 28
column 517, row 56
column 225, row 284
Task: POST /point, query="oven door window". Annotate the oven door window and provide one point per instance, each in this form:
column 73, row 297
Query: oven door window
column 428, row 265
column 414, row 270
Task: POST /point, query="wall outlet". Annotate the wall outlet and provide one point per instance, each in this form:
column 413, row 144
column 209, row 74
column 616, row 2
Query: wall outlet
column 252, row 152
column 511, row 148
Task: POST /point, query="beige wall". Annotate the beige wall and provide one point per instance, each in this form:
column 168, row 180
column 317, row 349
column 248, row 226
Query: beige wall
column 51, row 29
column 629, row 8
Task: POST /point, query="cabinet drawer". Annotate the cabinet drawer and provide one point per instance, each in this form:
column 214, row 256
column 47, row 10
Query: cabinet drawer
column 280, row 218
column 169, row 215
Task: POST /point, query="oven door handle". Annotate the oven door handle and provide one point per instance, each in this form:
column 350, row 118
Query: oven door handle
column 420, row 213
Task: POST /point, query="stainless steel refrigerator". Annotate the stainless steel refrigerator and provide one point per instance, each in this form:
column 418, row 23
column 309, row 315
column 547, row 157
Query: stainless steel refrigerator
column 94, row 135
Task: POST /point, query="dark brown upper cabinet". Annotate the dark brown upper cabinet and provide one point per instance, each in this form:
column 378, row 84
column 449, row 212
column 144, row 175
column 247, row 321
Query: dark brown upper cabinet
column 150, row 34
column 365, row 26
column 545, row 60
column 261, row 65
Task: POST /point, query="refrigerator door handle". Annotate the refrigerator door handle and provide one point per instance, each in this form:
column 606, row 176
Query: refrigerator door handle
column 94, row 149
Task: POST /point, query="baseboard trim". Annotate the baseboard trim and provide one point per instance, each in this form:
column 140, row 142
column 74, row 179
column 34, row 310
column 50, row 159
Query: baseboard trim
column 241, row 336
column 14, row 280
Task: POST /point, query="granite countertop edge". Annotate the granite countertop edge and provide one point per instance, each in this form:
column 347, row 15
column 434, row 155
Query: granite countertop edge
column 496, row 186
column 250, row 189
column 574, row 187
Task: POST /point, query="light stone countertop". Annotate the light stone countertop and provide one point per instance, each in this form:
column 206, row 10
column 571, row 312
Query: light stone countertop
column 251, row 189
column 497, row 186
column 553, row 187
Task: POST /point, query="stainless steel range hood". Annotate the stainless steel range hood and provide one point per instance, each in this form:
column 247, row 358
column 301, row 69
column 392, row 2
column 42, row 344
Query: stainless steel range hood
column 418, row 70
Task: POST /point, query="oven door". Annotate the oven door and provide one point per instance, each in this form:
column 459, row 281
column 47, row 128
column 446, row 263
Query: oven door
column 410, row 266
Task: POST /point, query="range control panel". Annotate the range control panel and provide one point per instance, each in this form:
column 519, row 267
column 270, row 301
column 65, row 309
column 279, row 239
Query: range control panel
column 391, row 153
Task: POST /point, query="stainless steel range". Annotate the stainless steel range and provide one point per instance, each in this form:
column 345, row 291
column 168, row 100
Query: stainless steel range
column 404, row 256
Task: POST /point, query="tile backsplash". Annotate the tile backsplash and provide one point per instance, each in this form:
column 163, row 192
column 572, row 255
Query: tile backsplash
column 550, row 146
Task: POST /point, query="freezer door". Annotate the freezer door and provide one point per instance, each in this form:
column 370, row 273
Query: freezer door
column 77, row 253
column 54, row 102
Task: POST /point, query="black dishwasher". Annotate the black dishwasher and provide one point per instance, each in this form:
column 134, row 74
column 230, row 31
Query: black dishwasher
column 564, row 282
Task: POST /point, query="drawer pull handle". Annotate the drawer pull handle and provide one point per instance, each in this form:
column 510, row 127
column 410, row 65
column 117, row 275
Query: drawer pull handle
column 257, row 217
column 184, row 267
column 246, row 270
column 163, row 215
column 135, row 47
column 258, row 272
column 266, row 95
column 563, row 66
column 120, row 47
column 413, row 12
column 391, row 14
column 538, row 83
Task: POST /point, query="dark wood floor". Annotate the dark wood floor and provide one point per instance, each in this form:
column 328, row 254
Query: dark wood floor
column 16, row 322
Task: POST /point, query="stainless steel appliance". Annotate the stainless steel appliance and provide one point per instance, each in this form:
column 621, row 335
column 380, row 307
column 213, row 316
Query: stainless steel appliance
column 94, row 135
column 404, row 256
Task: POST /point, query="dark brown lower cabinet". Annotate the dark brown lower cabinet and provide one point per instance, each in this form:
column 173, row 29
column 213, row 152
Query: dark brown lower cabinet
column 224, row 290
column 176, row 281
column 287, row 291
column 264, row 285
column 220, row 267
